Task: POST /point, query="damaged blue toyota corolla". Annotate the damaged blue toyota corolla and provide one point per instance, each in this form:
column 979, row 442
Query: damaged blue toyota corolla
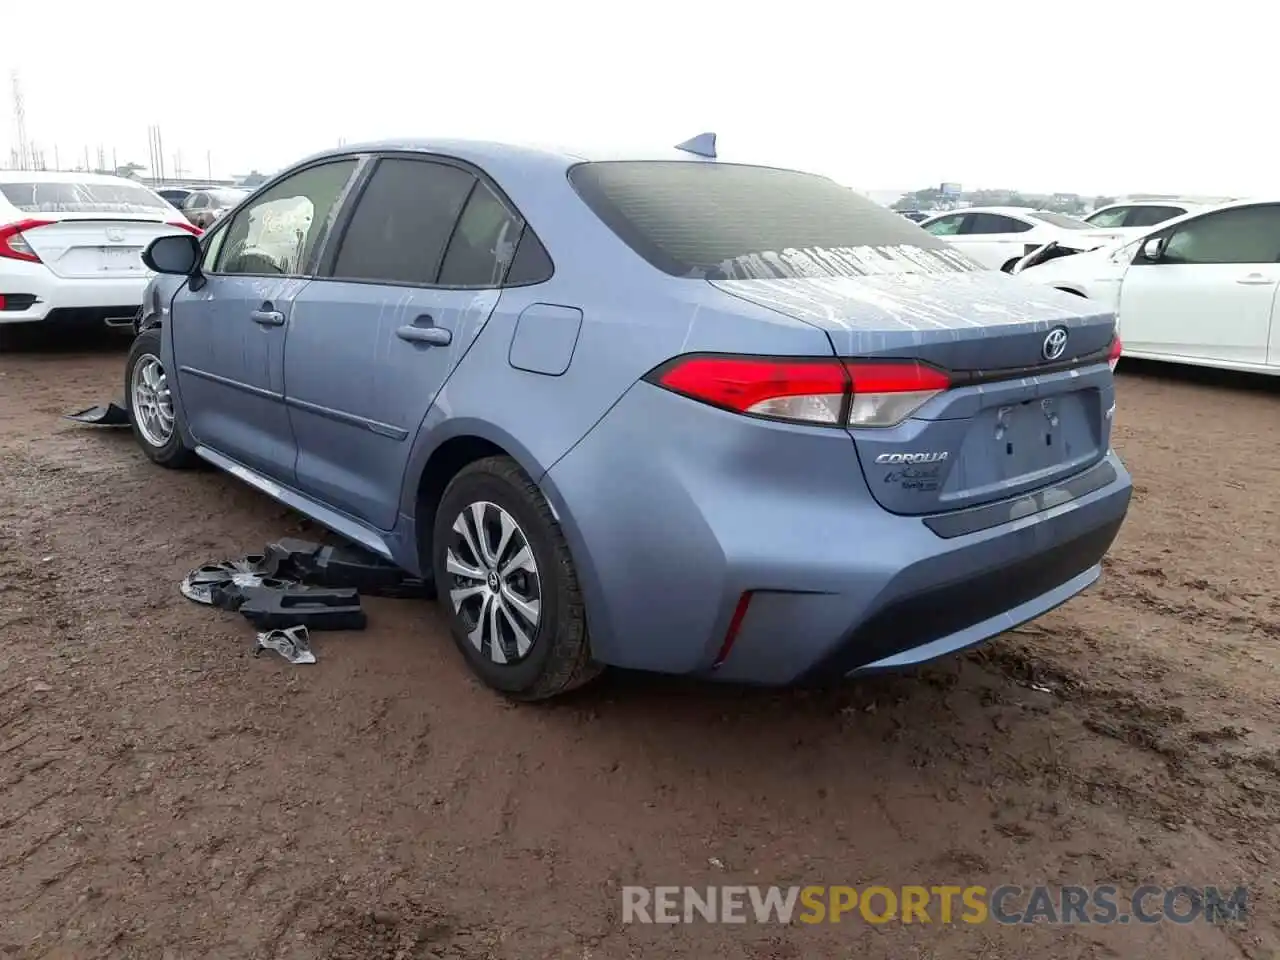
column 659, row 412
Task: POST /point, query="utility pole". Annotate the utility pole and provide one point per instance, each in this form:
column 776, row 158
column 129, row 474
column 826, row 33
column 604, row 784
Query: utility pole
column 20, row 120
column 57, row 164
column 208, row 164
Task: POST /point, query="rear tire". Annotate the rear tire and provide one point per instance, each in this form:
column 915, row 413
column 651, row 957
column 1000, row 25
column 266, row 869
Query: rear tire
column 148, row 397
column 508, row 584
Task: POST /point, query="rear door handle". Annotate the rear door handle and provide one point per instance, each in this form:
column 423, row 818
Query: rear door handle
column 423, row 330
column 268, row 318
column 1256, row 280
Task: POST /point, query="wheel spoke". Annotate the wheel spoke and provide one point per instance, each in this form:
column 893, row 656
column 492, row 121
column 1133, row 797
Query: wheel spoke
column 463, row 529
column 504, row 539
column 455, row 565
column 486, row 556
column 476, row 636
column 529, row 609
column 462, row 595
column 496, row 651
column 523, row 640
column 523, row 560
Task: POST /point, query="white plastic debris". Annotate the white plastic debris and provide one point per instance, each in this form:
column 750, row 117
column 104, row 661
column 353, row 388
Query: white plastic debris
column 293, row 644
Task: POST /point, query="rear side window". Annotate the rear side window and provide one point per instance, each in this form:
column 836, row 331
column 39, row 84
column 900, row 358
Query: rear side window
column 483, row 244
column 66, row 196
column 1150, row 216
column 716, row 220
column 1114, row 217
column 532, row 263
column 403, row 222
column 1239, row 235
column 994, row 223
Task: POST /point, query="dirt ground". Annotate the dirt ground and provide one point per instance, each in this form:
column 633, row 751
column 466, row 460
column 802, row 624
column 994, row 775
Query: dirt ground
column 165, row 795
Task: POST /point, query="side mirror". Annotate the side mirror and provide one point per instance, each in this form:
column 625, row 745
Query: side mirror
column 1153, row 249
column 178, row 254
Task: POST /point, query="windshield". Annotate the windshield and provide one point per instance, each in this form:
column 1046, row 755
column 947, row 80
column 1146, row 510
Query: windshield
column 1059, row 219
column 729, row 221
column 68, row 196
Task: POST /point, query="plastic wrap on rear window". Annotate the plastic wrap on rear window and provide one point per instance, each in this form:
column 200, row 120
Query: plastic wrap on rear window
column 64, row 196
column 730, row 221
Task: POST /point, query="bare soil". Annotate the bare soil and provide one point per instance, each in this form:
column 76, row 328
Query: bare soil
column 164, row 794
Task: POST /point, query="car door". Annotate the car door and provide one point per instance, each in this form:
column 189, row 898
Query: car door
column 995, row 240
column 414, row 278
column 229, row 332
column 1210, row 293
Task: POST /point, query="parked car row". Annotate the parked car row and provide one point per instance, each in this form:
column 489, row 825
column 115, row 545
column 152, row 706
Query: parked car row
column 1198, row 289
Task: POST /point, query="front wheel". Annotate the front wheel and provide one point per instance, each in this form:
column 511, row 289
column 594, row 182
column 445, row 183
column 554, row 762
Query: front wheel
column 148, row 397
column 509, row 586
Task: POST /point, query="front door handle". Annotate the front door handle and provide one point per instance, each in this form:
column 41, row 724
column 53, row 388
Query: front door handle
column 1256, row 280
column 268, row 318
column 423, row 330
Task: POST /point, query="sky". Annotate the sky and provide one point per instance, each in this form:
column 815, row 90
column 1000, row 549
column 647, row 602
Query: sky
column 1086, row 96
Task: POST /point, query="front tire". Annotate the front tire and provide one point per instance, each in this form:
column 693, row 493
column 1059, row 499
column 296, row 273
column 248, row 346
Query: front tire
column 148, row 397
column 508, row 584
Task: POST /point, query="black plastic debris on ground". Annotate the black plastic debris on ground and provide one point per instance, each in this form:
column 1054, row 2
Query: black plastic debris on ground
column 316, row 608
column 298, row 583
column 340, row 566
column 109, row 415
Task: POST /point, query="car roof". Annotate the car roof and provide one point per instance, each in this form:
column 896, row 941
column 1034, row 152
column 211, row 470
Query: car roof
column 63, row 176
column 483, row 152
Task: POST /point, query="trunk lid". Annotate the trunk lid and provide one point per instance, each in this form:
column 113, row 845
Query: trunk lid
column 87, row 245
column 1020, row 414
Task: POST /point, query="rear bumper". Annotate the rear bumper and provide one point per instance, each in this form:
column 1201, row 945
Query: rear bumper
column 671, row 521
column 89, row 300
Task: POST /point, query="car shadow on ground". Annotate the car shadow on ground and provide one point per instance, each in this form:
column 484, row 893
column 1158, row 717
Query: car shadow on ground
column 62, row 342
column 1158, row 372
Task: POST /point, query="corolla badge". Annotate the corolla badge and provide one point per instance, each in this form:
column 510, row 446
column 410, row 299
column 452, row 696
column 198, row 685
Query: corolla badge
column 1055, row 344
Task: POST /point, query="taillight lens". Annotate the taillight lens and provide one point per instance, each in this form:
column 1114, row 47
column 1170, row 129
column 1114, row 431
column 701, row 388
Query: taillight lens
column 14, row 246
column 827, row 392
column 187, row 226
column 1113, row 356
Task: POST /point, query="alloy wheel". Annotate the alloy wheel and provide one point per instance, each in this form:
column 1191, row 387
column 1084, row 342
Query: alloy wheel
column 494, row 584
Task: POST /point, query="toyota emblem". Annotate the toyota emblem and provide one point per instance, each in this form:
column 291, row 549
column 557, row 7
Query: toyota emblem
column 1055, row 344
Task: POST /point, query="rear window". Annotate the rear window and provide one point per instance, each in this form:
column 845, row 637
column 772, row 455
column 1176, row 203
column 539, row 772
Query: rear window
column 64, row 196
column 727, row 221
column 1058, row 219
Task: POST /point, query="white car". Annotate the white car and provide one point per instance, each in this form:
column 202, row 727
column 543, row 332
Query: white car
column 998, row 237
column 71, row 246
column 1198, row 289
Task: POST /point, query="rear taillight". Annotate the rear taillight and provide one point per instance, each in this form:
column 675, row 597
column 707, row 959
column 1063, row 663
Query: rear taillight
column 1113, row 355
column 828, row 392
column 14, row 246
column 187, row 226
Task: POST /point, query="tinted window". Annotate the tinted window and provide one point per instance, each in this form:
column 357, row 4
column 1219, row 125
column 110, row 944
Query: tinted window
column 706, row 220
column 1150, row 216
column 197, row 201
column 403, row 221
column 280, row 230
column 994, row 223
column 1112, row 217
column 226, row 198
column 1241, row 235
column 1059, row 220
column 67, row 196
column 483, row 244
column 532, row 263
column 946, row 226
